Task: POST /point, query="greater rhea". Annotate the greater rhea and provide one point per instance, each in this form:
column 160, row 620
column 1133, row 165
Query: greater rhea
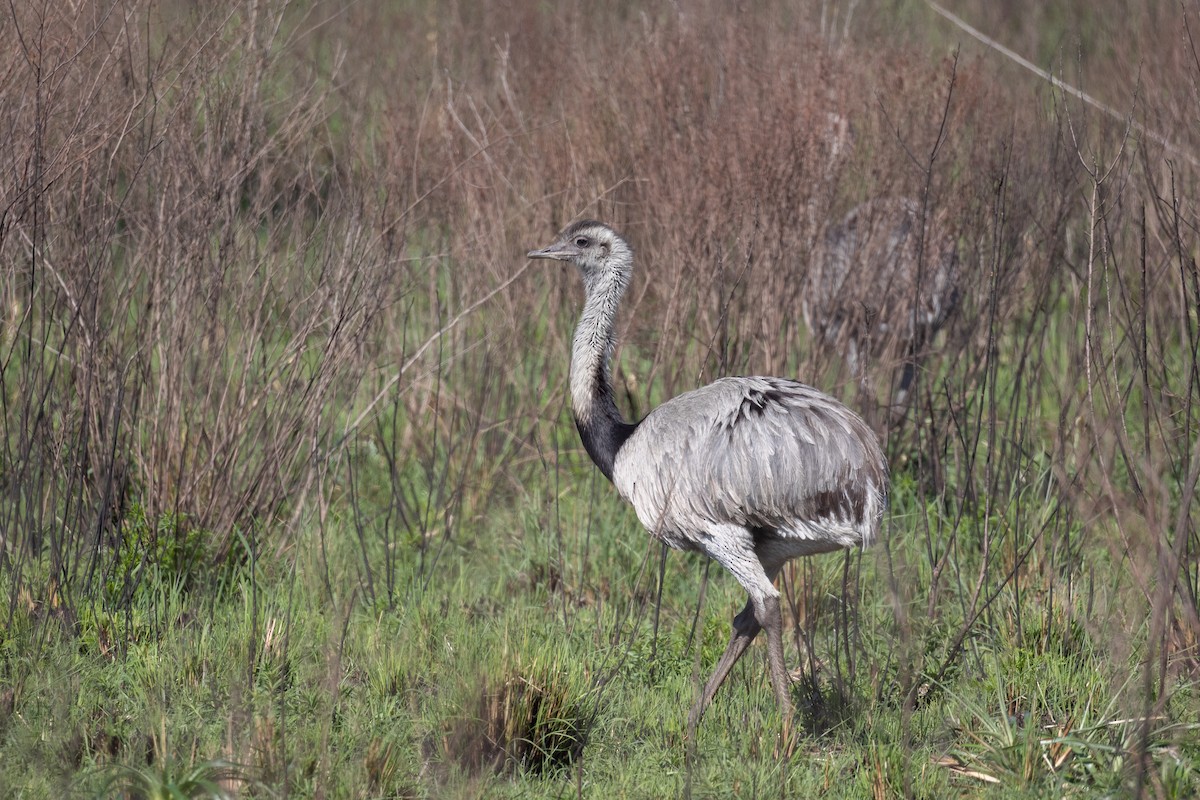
column 882, row 285
column 750, row 471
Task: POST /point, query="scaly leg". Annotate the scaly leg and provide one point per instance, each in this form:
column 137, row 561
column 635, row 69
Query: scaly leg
column 771, row 618
column 745, row 628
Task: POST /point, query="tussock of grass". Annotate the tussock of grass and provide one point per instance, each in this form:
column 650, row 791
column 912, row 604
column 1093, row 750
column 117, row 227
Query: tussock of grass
column 534, row 720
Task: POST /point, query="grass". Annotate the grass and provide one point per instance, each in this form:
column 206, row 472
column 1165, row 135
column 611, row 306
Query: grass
column 292, row 504
column 515, row 672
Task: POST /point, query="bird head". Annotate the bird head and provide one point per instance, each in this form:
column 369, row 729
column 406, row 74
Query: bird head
column 596, row 249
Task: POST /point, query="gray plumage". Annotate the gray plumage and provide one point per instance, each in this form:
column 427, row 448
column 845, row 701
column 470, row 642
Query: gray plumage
column 761, row 453
column 751, row 471
column 880, row 288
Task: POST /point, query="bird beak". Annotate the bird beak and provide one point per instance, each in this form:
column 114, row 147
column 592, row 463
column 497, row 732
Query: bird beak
column 559, row 251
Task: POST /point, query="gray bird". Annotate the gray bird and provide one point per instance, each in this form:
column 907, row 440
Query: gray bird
column 880, row 287
column 750, row 471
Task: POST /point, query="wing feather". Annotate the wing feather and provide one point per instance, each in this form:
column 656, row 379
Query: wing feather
column 753, row 451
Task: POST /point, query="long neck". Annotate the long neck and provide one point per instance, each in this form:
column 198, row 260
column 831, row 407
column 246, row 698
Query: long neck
column 600, row 424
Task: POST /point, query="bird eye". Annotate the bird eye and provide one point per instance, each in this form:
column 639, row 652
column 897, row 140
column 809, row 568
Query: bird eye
column 582, row 241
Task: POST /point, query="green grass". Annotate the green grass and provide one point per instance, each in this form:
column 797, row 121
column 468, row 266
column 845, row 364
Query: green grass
column 522, row 663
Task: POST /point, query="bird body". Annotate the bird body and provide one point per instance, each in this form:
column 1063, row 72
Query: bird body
column 768, row 454
column 750, row 471
column 881, row 287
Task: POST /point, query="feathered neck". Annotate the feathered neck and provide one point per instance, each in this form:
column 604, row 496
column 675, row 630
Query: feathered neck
column 601, row 426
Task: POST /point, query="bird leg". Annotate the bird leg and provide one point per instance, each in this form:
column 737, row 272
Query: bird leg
column 771, row 618
column 745, row 628
column 746, row 625
column 734, row 548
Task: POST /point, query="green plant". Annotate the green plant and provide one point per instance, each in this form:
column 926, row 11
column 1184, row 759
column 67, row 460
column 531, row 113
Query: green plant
column 172, row 781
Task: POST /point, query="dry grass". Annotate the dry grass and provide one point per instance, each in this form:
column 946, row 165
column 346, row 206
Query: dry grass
column 260, row 266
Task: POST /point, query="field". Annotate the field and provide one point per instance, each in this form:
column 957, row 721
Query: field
column 291, row 501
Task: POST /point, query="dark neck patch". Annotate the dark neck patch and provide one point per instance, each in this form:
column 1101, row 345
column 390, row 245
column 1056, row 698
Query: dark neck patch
column 603, row 436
